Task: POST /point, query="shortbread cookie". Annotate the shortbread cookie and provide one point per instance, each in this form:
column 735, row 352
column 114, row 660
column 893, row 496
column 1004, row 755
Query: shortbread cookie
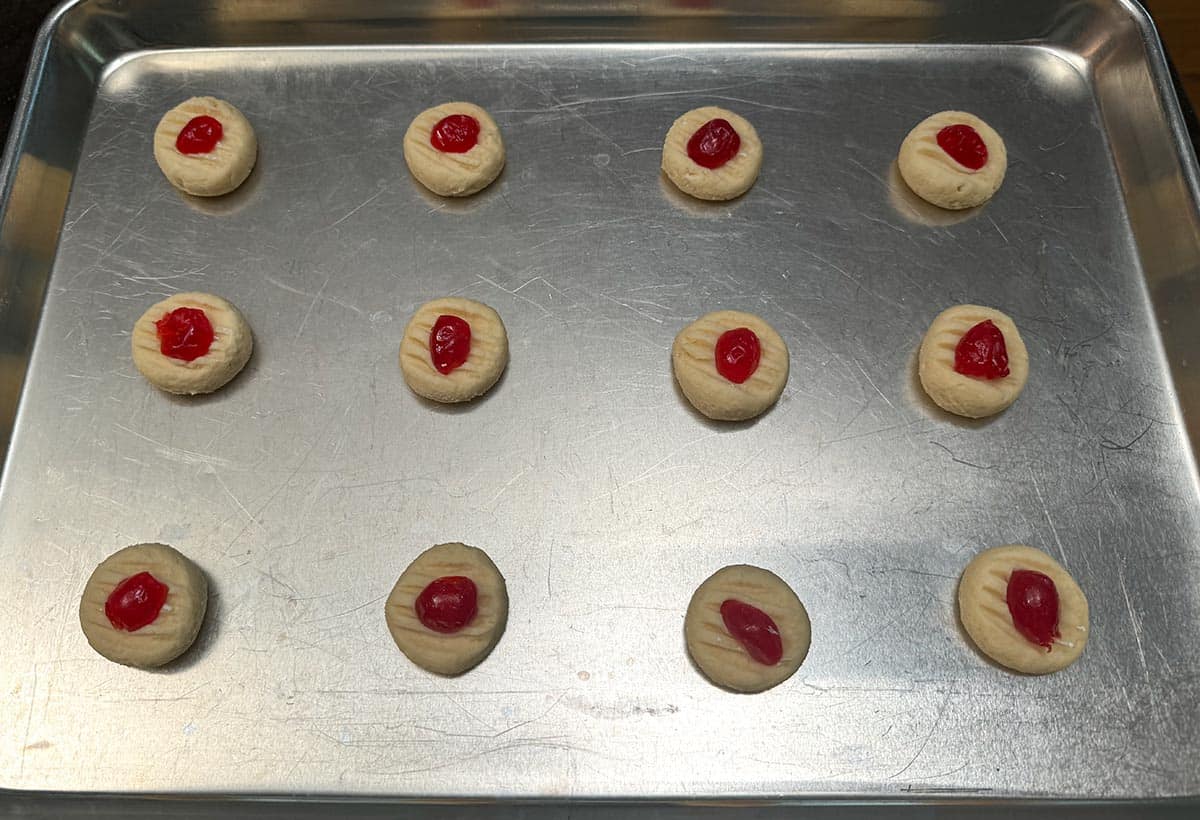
column 191, row 343
column 746, row 629
column 454, row 149
column 205, row 147
column 449, row 608
column 711, row 153
column 453, row 349
column 730, row 365
column 143, row 606
column 1023, row 610
column 973, row 362
column 953, row 160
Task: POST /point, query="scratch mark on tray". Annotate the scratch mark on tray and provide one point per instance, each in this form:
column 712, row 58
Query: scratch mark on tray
column 1135, row 622
column 312, row 305
column 358, row 208
column 920, row 749
column 1062, row 555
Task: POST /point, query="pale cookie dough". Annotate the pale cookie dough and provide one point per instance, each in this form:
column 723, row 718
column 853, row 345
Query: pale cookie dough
column 482, row 369
column 970, row 396
column 983, row 610
column 230, row 350
column 220, row 170
column 719, row 655
column 694, row 363
column 178, row 622
column 728, row 181
column 456, row 652
column 449, row 174
column 939, row 179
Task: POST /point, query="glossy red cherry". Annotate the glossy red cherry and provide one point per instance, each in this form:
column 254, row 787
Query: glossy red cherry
column 455, row 134
column 184, row 333
column 199, row 136
column 1033, row 603
column 449, row 343
column 964, row 145
column 714, row 144
column 737, row 354
column 981, row 352
column 135, row 602
column 447, row 604
column 754, row 630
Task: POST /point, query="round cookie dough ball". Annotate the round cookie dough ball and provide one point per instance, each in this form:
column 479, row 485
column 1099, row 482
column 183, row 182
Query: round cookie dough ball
column 746, row 629
column 711, row 153
column 143, row 605
column 972, row 361
column 449, row 608
column 454, row 149
column 191, row 343
column 1023, row 609
column 453, row 350
column 731, row 365
column 953, row 160
column 205, row 147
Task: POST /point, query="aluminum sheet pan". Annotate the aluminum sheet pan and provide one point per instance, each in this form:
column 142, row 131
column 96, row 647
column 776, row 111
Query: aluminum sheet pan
column 306, row 486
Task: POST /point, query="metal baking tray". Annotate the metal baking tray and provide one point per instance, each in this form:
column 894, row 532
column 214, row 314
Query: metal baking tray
column 306, row 486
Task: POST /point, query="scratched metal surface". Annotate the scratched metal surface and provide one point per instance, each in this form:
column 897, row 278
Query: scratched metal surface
column 305, row 487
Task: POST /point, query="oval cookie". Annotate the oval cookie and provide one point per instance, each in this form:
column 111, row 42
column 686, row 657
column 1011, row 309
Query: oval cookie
column 709, row 132
column 205, row 147
column 433, row 639
column 720, row 604
column 983, row 608
column 143, row 605
column 172, row 347
column 953, row 160
column 967, row 395
column 714, row 343
column 436, row 149
column 444, row 361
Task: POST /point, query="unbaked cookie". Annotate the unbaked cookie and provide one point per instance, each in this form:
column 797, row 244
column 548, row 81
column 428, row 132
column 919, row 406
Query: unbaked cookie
column 143, row 605
column 731, row 365
column 454, row 149
column 746, row 629
column 453, row 349
column 711, row 153
column 1023, row 610
column 205, row 147
column 191, row 343
column 449, row 608
column 972, row 361
column 953, row 160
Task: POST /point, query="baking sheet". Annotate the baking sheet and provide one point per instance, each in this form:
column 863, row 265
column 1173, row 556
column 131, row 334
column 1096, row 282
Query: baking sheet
column 306, row 486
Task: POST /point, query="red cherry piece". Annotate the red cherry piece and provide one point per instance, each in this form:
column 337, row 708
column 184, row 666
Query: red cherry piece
column 737, row 353
column 447, row 604
column 455, row 134
column 754, row 630
column 135, row 602
column 449, row 343
column 184, row 333
column 199, row 136
column 1033, row 603
column 714, row 144
column 981, row 352
column 964, row 145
